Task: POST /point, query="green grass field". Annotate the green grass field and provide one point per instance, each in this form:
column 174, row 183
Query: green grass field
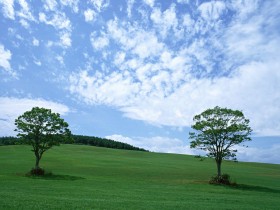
column 86, row 177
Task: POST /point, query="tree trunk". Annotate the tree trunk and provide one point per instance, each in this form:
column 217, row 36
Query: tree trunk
column 37, row 161
column 219, row 170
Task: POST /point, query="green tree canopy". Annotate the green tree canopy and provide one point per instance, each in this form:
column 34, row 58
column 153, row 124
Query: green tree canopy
column 41, row 129
column 218, row 130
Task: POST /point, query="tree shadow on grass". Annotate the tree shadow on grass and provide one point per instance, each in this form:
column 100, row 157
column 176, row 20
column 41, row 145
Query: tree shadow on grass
column 245, row 187
column 51, row 176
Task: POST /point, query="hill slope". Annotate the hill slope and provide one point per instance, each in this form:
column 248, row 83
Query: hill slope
column 100, row 178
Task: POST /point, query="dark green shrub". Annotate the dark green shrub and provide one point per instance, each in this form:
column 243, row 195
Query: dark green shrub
column 37, row 172
column 223, row 179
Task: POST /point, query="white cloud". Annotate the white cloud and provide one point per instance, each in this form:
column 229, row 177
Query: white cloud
column 165, row 20
column 38, row 63
column 89, row 15
column 247, row 40
column 119, row 58
column 188, row 21
column 156, row 144
column 247, row 90
column 25, row 14
column 35, row 42
column 57, row 20
column 60, row 59
column 11, row 108
column 65, row 39
column 119, row 34
column 130, row 4
column 99, row 42
column 139, row 42
column 24, row 23
column 49, row 44
column 147, row 46
column 61, row 23
column 19, row 37
column 73, row 4
column 166, row 85
column 100, row 4
column 246, row 8
column 50, row 5
column 149, row 2
column 212, row 10
column 8, row 8
column 263, row 155
column 118, row 87
column 183, row 1
column 5, row 57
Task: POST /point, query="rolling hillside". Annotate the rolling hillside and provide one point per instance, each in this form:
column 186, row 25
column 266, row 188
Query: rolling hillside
column 87, row 177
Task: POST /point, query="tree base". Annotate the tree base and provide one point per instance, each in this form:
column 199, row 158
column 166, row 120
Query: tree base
column 224, row 179
column 37, row 172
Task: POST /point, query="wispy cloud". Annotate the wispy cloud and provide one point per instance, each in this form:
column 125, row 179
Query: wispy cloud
column 50, row 5
column 100, row 4
column 263, row 155
column 5, row 57
column 130, row 4
column 73, row 4
column 8, row 8
column 226, row 69
column 212, row 10
column 57, row 20
column 61, row 23
column 99, row 42
column 165, row 21
column 183, row 1
column 25, row 14
column 149, row 2
column 156, row 144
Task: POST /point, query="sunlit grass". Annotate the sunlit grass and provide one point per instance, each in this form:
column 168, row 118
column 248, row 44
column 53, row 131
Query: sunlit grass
column 85, row 177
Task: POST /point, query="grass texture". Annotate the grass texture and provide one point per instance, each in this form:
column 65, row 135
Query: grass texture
column 86, row 177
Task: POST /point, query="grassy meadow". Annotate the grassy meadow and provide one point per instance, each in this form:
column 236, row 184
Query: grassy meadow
column 87, row 177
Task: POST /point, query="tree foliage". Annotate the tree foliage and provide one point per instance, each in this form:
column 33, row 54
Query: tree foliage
column 218, row 130
column 41, row 129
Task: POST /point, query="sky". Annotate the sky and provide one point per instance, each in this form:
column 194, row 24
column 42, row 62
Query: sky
column 138, row 71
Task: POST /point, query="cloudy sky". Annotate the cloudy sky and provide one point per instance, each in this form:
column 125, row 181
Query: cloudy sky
column 137, row 71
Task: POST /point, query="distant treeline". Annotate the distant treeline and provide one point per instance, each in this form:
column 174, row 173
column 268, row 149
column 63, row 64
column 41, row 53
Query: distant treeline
column 8, row 140
column 101, row 142
column 79, row 139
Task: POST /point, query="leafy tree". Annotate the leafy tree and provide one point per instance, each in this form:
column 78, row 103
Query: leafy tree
column 41, row 129
column 218, row 130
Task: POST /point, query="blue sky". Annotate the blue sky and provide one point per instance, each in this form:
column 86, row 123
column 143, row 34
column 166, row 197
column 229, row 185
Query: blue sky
column 137, row 71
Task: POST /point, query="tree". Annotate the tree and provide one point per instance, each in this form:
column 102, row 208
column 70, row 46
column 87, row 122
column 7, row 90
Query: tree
column 41, row 129
column 218, row 130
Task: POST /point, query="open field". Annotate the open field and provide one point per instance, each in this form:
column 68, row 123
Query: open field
column 88, row 177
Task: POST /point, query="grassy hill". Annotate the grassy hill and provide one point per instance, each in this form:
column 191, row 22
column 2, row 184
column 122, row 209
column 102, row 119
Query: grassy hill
column 87, row 177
